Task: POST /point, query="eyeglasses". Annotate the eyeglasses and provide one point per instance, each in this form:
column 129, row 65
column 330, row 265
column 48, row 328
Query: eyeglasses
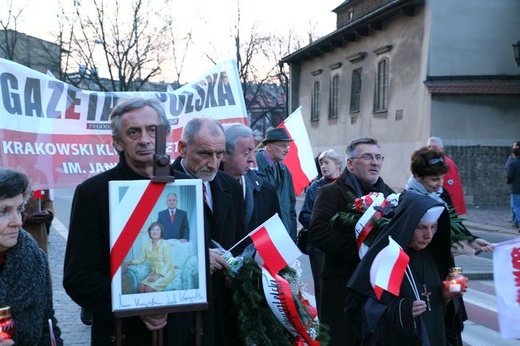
column 433, row 162
column 370, row 157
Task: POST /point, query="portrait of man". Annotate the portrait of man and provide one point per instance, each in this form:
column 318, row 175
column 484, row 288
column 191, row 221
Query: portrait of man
column 174, row 220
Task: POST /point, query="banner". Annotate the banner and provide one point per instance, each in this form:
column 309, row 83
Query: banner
column 300, row 159
column 506, row 273
column 60, row 135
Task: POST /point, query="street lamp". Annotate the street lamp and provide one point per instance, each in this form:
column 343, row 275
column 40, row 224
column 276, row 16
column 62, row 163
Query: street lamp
column 516, row 50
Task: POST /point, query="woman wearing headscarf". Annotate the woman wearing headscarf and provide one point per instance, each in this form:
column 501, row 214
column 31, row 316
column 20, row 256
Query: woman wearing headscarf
column 25, row 281
column 421, row 227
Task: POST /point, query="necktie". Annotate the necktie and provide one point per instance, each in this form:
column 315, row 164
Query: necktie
column 204, row 193
column 172, row 216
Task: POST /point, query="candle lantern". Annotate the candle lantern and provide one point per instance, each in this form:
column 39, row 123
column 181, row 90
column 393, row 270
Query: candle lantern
column 7, row 328
column 456, row 279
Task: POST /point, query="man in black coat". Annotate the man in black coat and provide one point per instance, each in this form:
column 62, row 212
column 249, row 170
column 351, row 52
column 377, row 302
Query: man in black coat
column 86, row 273
column 360, row 177
column 261, row 201
column 202, row 148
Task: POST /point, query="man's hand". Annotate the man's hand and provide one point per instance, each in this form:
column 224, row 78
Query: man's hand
column 482, row 245
column 41, row 216
column 216, row 261
column 153, row 322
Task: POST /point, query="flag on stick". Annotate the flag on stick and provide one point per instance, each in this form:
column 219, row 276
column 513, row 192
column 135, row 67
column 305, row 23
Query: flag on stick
column 387, row 270
column 274, row 245
column 300, row 159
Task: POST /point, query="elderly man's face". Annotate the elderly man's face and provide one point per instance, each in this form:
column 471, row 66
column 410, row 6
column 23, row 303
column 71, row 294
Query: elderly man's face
column 203, row 156
column 277, row 151
column 366, row 164
column 244, row 156
column 137, row 140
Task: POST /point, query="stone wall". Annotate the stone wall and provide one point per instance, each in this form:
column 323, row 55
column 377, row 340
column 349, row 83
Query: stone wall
column 482, row 173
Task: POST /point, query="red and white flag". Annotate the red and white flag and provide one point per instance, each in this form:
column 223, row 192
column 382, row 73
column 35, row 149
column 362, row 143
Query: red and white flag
column 388, row 267
column 274, row 245
column 300, row 159
column 37, row 194
column 506, row 269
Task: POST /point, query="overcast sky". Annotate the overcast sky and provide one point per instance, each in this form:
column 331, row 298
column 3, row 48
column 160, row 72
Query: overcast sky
column 212, row 22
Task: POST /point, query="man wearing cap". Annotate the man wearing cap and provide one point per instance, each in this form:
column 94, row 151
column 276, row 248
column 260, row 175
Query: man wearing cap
column 270, row 167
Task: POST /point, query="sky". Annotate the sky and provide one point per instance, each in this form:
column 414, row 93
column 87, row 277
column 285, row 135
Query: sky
column 212, row 23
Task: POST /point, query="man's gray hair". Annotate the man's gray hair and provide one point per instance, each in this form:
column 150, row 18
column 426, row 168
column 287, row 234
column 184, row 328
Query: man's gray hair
column 233, row 133
column 351, row 147
column 436, row 140
column 193, row 126
column 128, row 104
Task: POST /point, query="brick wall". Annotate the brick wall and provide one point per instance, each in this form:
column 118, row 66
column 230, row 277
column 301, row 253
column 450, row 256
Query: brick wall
column 482, row 173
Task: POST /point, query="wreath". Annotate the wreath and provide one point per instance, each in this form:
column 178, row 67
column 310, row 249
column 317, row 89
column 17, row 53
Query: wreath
column 258, row 325
column 382, row 214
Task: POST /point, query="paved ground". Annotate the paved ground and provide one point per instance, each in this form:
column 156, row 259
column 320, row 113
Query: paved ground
column 487, row 218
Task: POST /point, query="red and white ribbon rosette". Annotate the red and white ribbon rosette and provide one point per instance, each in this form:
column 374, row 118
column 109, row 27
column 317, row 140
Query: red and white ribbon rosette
column 365, row 225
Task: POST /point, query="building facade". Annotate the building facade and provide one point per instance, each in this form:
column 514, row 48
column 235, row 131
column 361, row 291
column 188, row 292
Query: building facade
column 404, row 70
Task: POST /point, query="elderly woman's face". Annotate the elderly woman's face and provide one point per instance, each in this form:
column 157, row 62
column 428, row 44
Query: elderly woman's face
column 10, row 221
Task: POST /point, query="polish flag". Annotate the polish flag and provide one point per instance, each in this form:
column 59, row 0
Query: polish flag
column 274, row 245
column 37, row 194
column 300, row 159
column 388, row 267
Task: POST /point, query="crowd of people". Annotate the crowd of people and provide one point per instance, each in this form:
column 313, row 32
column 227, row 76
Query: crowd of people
column 236, row 200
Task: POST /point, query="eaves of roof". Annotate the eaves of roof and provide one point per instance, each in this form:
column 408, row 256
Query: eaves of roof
column 354, row 31
column 489, row 86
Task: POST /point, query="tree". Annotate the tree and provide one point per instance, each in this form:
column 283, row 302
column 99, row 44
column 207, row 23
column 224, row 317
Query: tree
column 129, row 43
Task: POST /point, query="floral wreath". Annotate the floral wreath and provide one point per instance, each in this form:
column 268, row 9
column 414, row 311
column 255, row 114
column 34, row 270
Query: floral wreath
column 369, row 215
column 258, row 325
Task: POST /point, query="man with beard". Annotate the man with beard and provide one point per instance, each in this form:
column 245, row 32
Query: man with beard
column 202, row 148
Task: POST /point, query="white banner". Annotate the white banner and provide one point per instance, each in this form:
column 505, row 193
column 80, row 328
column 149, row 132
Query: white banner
column 60, row 135
column 506, row 273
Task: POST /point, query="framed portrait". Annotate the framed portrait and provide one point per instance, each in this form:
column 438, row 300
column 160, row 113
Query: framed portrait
column 157, row 247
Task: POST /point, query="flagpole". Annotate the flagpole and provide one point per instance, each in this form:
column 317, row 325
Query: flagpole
column 234, row 246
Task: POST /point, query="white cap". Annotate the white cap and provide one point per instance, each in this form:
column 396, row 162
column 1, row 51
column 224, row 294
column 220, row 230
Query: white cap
column 432, row 214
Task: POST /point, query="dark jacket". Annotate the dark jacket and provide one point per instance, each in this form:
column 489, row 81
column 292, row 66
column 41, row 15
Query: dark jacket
column 25, row 286
column 86, row 273
column 264, row 201
column 340, row 250
column 225, row 225
column 513, row 176
column 284, row 190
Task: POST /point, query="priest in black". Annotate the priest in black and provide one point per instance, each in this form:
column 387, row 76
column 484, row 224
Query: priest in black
column 421, row 226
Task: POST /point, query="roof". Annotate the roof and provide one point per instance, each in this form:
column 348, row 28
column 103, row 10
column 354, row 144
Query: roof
column 491, row 86
column 354, row 31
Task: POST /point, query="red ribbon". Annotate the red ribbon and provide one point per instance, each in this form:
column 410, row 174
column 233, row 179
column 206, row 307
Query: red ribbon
column 291, row 312
column 134, row 224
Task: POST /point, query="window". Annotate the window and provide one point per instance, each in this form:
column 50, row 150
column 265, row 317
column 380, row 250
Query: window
column 355, row 91
column 334, row 98
column 315, row 106
column 381, row 92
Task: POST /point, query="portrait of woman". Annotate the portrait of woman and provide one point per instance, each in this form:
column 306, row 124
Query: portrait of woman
column 159, row 253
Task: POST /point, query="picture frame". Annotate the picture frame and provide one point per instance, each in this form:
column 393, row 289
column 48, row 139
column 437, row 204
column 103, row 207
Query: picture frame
column 155, row 268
